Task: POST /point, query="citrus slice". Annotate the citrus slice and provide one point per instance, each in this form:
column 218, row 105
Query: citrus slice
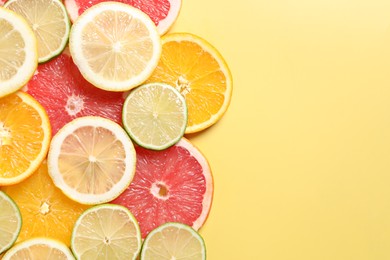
column 49, row 21
column 92, row 160
column 10, row 222
column 173, row 241
column 24, row 137
column 18, row 52
column 115, row 46
column 59, row 86
column 172, row 185
column 155, row 115
column 201, row 75
column 162, row 12
column 106, row 232
column 38, row 249
column 45, row 210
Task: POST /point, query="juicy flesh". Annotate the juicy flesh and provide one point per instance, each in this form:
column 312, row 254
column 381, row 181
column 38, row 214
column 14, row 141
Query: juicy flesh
column 9, row 222
column 40, row 251
column 92, row 160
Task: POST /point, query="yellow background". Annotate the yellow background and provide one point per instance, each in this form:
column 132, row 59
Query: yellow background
column 301, row 158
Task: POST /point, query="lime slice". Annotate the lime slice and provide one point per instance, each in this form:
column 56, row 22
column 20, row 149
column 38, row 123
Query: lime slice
column 173, row 241
column 38, row 249
column 49, row 21
column 10, row 222
column 155, row 115
column 106, row 231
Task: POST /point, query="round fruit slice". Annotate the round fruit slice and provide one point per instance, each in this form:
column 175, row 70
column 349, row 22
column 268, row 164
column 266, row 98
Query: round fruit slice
column 173, row 185
column 162, row 12
column 45, row 210
column 173, row 241
column 61, row 89
column 10, row 222
column 155, row 115
column 201, row 75
column 24, row 137
column 49, row 21
column 39, row 248
column 92, row 160
column 18, row 52
column 106, row 232
column 115, row 46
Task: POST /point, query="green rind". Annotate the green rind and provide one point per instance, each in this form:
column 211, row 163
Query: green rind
column 19, row 216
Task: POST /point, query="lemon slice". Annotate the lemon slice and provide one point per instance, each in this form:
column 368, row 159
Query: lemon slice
column 106, row 232
column 173, row 241
column 10, row 222
column 92, row 160
column 155, row 115
column 115, row 46
column 38, row 249
column 18, row 52
column 49, row 21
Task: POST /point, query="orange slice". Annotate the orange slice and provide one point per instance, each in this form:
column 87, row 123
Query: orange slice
column 200, row 73
column 45, row 210
column 25, row 135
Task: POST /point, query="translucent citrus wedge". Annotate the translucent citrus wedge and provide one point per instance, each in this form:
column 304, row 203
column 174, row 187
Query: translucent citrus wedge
column 155, row 115
column 45, row 210
column 24, row 137
column 92, row 160
column 49, row 21
column 173, row 241
column 10, row 222
column 116, row 46
column 18, row 52
column 106, row 232
column 38, row 249
column 200, row 73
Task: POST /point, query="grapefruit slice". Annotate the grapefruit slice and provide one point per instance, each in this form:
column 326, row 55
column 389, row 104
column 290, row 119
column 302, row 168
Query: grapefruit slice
column 172, row 185
column 61, row 89
column 162, row 12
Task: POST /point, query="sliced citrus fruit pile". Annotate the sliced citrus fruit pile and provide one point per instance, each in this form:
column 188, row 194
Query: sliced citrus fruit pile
column 45, row 210
column 173, row 185
column 24, row 137
column 173, row 241
column 39, row 248
column 18, row 52
column 115, row 46
column 10, row 222
column 92, row 160
column 155, row 115
column 163, row 12
column 61, row 89
column 200, row 73
column 49, row 21
column 106, row 232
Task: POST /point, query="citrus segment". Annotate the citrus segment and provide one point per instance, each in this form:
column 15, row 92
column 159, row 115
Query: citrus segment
column 24, row 137
column 115, row 46
column 59, row 86
column 174, row 184
column 201, row 75
column 45, row 210
column 38, row 249
column 10, row 222
column 18, row 52
column 162, row 12
column 92, row 160
column 155, row 115
column 173, row 241
column 106, row 232
column 49, row 21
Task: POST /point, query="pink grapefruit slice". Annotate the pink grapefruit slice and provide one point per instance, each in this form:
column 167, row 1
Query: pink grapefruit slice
column 172, row 185
column 162, row 12
column 61, row 89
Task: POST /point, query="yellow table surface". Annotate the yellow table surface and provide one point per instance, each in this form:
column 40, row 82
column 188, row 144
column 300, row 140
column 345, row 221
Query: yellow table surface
column 301, row 160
